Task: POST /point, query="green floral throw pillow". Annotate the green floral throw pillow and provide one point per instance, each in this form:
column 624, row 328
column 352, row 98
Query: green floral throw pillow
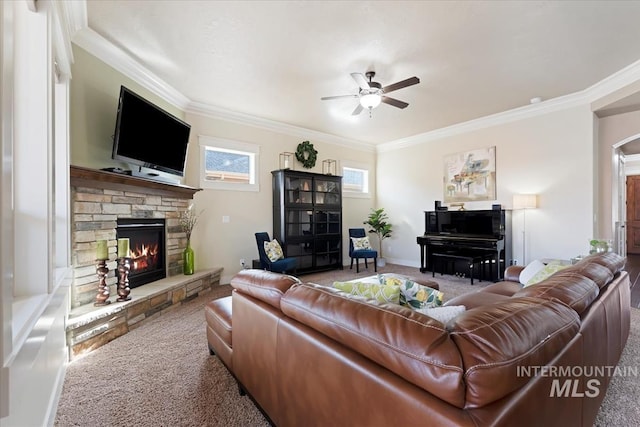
column 545, row 272
column 381, row 293
column 412, row 294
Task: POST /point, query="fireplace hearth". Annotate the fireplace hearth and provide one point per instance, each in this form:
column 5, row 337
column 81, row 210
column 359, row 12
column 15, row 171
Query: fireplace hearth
column 146, row 248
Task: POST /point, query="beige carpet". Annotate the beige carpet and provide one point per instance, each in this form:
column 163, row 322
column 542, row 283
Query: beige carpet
column 161, row 374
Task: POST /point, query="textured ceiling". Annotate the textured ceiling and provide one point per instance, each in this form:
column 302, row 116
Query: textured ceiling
column 275, row 60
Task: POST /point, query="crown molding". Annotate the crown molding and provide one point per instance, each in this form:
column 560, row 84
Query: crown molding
column 69, row 17
column 619, row 80
column 624, row 78
column 520, row 113
column 115, row 57
column 106, row 51
column 275, row 126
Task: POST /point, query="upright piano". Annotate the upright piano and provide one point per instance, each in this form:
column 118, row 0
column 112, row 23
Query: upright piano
column 485, row 233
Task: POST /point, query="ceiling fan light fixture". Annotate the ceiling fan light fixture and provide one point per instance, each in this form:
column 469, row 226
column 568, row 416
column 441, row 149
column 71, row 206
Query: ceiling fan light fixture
column 370, row 100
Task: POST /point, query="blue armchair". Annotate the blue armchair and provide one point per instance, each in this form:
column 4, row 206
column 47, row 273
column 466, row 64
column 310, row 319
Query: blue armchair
column 280, row 266
column 357, row 254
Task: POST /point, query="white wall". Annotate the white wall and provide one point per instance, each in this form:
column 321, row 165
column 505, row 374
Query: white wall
column 224, row 244
column 547, row 154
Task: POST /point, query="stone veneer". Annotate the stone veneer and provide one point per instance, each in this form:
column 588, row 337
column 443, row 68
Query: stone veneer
column 90, row 327
column 97, row 203
column 98, row 199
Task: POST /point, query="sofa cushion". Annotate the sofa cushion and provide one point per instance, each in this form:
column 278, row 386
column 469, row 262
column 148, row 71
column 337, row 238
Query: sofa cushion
column 600, row 274
column 573, row 289
column 264, row 285
column 496, row 339
column 611, row 260
column 380, row 293
column 413, row 346
column 476, row 299
column 218, row 314
column 506, row 288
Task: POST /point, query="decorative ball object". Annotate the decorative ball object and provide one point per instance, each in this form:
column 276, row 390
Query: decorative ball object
column 306, row 154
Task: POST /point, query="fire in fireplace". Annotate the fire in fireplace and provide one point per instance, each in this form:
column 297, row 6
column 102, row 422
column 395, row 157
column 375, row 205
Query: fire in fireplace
column 146, row 248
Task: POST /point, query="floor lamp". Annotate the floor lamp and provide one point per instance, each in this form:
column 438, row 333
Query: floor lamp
column 524, row 202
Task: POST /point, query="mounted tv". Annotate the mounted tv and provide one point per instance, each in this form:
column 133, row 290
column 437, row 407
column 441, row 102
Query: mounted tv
column 148, row 136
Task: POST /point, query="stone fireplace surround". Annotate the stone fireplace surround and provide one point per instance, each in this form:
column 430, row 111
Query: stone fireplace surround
column 98, row 200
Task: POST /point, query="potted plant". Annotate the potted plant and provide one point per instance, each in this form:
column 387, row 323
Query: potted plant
column 378, row 224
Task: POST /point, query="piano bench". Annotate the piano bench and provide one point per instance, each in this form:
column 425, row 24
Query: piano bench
column 444, row 259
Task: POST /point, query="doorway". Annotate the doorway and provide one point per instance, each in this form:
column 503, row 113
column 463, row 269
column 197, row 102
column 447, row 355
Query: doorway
column 625, row 196
column 633, row 214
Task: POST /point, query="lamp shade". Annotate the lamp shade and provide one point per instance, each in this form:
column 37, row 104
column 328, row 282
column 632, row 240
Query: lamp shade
column 370, row 100
column 525, row 201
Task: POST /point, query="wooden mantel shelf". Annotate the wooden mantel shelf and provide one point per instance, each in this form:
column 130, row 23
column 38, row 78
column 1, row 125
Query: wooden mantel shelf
column 94, row 178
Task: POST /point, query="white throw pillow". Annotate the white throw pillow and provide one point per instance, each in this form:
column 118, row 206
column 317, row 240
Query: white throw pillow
column 361, row 243
column 443, row 314
column 530, row 270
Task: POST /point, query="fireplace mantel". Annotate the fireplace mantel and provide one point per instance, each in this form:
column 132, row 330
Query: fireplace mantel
column 94, row 178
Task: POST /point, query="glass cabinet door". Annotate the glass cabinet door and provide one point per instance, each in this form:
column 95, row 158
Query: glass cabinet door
column 303, row 252
column 328, row 252
column 298, row 223
column 327, row 222
column 327, row 192
column 298, row 190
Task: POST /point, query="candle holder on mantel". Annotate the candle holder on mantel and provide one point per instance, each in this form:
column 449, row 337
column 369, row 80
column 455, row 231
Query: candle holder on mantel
column 329, row 167
column 124, row 266
column 286, row 160
column 103, row 289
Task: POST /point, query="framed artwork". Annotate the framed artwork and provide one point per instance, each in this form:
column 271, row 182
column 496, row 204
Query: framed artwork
column 470, row 176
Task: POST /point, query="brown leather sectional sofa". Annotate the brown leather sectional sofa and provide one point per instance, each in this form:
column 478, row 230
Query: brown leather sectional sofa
column 312, row 356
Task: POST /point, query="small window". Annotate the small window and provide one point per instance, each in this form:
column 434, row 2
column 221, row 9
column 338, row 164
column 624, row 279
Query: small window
column 355, row 181
column 228, row 165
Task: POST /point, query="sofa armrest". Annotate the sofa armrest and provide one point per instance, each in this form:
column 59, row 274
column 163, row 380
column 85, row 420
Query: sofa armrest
column 512, row 273
column 263, row 285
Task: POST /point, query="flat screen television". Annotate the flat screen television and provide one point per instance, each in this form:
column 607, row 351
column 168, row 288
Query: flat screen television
column 148, row 136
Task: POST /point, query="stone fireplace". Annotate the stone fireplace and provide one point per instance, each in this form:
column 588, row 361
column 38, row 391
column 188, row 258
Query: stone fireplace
column 99, row 200
column 106, row 206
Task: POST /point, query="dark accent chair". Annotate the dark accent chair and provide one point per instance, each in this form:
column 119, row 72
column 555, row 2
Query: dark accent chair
column 280, row 266
column 361, row 253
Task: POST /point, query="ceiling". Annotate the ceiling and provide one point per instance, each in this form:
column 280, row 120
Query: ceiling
column 275, row 59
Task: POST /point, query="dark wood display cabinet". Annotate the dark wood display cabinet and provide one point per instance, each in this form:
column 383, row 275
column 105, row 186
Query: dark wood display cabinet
column 307, row 218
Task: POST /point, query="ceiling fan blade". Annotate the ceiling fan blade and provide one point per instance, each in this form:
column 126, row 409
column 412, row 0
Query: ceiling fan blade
column 324, row 98
column 404, row 83
column 361, row 80
column 394, row 102
column 358, row 110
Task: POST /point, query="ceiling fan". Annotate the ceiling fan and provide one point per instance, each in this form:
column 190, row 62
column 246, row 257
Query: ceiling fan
column 372, row 93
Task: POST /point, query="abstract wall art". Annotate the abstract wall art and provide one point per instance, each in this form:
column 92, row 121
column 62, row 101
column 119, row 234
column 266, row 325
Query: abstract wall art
column 470, row 176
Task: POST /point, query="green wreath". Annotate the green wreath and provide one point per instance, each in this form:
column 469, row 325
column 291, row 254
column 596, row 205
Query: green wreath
column 306, row 154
